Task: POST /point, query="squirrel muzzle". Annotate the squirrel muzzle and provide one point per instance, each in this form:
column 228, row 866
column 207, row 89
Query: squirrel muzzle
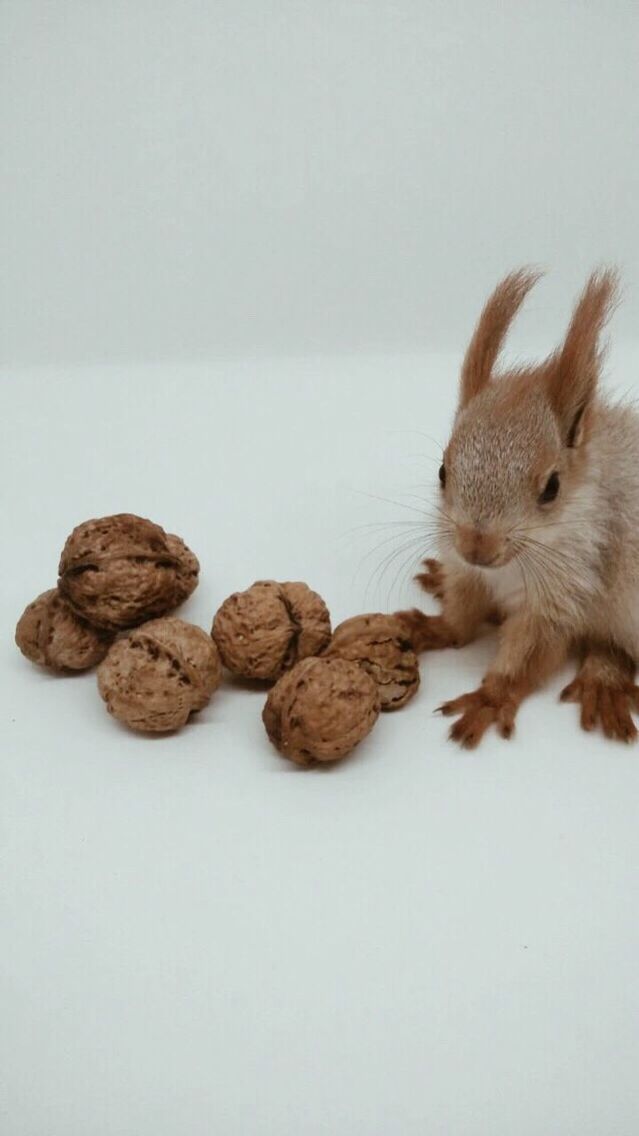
column 481, row 547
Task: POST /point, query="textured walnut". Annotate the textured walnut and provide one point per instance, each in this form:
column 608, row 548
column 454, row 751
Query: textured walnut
column 321, row 709
column 118, row 571
column 51, row 634
column 378, row 643
column 187, row 569
column 265, row 630
column 159, row 674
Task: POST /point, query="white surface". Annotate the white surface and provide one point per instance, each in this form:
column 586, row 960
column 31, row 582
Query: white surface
column 186, row 177
column 196, row 936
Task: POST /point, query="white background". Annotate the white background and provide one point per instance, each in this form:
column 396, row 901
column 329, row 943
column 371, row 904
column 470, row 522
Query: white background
column 243, row 246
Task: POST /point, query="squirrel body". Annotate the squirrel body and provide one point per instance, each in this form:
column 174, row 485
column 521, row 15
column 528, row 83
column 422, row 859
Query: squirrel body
column 595, row 574
column 538, row 524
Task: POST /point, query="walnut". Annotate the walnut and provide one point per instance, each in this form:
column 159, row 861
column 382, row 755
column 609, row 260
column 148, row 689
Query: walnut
column 265, row 630
column 379, row 644
column 321, row 709
column 51, row 634
column 187, row 569
column 118, row 571
column 159, row 674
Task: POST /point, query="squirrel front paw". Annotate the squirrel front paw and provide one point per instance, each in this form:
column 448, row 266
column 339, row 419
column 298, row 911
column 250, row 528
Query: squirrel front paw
column 426, row 632
column 432, row 580
column 492, row 704
column 605, row 704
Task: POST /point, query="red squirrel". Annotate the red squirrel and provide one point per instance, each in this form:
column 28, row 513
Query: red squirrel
column 538, row 524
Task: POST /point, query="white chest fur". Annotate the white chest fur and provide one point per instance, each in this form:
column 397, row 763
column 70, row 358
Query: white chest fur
column 506, row 586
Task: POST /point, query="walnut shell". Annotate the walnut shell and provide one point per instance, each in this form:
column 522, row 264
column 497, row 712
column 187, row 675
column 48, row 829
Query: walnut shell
column 51, row 634
column 321, row 709
column 378, row 643
column 118, row 571
column 159, row 674
column 265, row 630
column 187, row 569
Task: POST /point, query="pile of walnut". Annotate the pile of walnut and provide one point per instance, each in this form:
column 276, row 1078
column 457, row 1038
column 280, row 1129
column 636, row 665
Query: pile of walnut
column 118, row 573
column 121, row 576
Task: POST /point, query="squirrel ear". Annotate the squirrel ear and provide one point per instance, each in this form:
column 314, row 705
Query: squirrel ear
column 490, row 332
column 573, row 375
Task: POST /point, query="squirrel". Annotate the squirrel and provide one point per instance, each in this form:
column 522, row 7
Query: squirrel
column 538, row 524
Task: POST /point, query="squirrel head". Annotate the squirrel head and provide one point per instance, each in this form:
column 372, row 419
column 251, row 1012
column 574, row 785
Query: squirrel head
column 519, row 446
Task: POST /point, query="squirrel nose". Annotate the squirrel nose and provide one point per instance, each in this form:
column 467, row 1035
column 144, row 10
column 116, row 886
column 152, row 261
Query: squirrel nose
column 476, row 546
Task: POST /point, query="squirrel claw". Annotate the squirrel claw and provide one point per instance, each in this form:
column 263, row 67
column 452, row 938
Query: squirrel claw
column 605, row 705
column 426, row 632
column 432, row 580
column 477, row 711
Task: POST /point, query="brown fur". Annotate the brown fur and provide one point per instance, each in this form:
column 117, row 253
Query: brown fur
column 573, row 373
column 552, row 571
column 491, row 329
column 526, row 656
column 605, row 689
column 466, row 606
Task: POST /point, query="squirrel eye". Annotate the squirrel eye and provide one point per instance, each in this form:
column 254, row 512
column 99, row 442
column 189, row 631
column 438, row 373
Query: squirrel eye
column 551, row 489
column 442, row 474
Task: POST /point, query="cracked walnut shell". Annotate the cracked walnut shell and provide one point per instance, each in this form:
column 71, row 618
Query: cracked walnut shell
column 378, row 643
column 321, row 709
column 118, row 571
column 51, row 634
column 159, row 674
column 266, row 629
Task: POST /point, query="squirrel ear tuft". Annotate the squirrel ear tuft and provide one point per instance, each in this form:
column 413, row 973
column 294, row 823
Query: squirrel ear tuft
column 573, row 375
column 491, row 329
